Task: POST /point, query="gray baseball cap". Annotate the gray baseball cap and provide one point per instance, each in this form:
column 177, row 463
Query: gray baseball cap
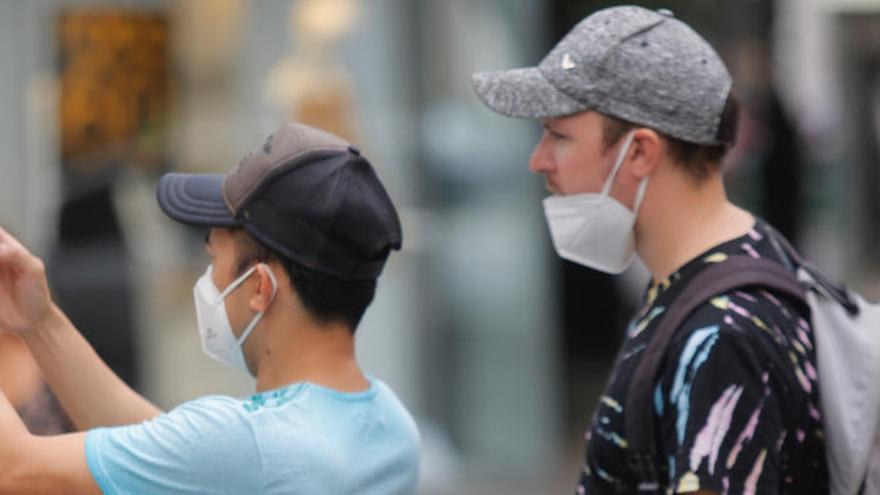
column 636, row 64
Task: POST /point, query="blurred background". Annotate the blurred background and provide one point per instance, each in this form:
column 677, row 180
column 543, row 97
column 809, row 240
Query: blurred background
column 498, row 347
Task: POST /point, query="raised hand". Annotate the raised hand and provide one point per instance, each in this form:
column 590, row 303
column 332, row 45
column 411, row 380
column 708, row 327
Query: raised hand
column 25, row 302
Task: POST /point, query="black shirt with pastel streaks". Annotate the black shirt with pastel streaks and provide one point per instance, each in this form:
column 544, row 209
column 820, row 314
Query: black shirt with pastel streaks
column 736, row 404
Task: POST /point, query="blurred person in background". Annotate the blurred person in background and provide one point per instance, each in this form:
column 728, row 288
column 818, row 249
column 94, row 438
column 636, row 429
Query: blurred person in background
column 638, row 112
column 299, row 232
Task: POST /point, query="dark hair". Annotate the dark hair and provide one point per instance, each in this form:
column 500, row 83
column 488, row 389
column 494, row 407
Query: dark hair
column 328, row 299
column 697, row 160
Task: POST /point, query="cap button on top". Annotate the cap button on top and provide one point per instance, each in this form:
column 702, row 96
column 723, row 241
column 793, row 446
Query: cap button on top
column 666, row 12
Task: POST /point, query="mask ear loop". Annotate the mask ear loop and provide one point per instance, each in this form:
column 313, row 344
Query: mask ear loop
column 640, row 195
column 273, row 280
column 621, row 155
column 235, row 283
column 253, row 324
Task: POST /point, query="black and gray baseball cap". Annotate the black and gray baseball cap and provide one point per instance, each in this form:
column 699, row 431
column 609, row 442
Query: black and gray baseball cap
column 307, row 194
column 636, row 64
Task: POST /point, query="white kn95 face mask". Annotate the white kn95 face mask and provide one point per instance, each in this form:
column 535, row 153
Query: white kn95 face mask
column 594, row 229
column 215, row 331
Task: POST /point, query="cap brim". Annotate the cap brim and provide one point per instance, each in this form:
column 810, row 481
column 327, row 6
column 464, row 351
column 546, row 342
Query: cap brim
column 523, row 93
column 195, row 199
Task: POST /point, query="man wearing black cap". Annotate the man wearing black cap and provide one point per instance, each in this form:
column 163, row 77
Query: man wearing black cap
column 299, row 232
column 638, row 112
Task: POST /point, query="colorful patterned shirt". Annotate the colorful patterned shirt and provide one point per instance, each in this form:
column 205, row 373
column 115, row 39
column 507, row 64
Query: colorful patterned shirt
column 736, row 403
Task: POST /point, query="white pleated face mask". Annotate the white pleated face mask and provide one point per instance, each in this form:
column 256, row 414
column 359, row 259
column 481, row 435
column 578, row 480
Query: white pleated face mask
column 594, row 229
column 215, row 331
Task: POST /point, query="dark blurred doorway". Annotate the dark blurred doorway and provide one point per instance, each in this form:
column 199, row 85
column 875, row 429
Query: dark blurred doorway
column 114, row 81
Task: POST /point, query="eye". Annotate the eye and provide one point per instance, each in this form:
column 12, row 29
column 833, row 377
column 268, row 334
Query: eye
column 553, row 133
column 558, row 136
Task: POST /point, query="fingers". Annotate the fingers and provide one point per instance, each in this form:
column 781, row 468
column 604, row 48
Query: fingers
column 6, row 238
column 14, row 255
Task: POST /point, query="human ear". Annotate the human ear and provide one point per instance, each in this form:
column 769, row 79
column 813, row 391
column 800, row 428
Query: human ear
column 266, row 288
column 645, row 152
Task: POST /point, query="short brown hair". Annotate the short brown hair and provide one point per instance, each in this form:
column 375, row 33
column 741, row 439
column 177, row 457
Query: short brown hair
column 698, row 160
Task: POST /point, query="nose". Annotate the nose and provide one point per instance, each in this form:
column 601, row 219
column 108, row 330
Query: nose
column 541, row 161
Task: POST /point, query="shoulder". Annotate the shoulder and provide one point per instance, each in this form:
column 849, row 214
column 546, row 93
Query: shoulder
column 388, row 401
column 207, row 414
column 195, row 448
column 398, row 439
column 186, row 425
column 749, row 334
column 377, row 410
column 217, row 404
column 751, row 316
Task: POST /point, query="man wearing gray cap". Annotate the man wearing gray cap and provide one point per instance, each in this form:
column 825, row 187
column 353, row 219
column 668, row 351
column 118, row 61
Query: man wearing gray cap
column 299, row 232
column 638, row 112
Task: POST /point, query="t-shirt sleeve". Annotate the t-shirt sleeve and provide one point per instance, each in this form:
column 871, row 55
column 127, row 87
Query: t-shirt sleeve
column 204, row 446
column 718, row 408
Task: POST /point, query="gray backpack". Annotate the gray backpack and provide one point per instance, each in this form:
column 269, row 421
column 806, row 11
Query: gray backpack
column 847, row 335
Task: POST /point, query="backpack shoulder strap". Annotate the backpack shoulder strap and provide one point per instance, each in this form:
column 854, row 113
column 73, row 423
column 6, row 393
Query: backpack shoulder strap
column 736, row 272
column 816, row 278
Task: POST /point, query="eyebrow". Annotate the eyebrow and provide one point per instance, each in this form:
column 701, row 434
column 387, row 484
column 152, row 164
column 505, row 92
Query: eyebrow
column 549, row 124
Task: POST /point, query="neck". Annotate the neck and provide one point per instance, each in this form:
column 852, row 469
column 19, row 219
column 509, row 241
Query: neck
column 300, row 350
column 670, row 235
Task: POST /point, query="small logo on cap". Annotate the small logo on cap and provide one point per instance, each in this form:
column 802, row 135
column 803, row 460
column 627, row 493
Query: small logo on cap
column 567, row 63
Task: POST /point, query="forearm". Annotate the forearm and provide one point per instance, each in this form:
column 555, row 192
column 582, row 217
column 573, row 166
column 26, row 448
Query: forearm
column 40, row 465
column 14, row 437
column 90, row 392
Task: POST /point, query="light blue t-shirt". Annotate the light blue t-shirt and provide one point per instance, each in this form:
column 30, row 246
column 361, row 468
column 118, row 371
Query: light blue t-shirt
column 299, row 439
